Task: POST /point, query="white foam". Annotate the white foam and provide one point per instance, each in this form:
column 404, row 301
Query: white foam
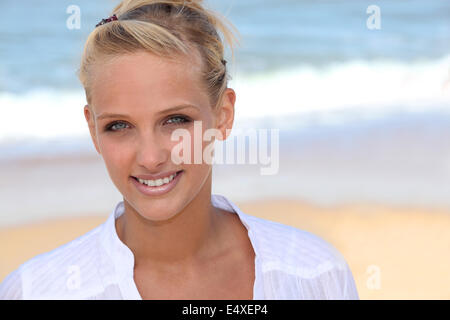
column 375, row 88
column 42, row 114
column 363, row 88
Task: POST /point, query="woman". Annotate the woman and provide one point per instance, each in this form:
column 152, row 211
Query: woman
column 152, row 68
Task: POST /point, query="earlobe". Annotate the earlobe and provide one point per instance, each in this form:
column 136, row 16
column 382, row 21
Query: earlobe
column 89, row 117
column 88, row 114
column 226, row 116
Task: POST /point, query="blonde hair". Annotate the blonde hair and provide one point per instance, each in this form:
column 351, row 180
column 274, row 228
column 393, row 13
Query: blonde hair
column 167, row 28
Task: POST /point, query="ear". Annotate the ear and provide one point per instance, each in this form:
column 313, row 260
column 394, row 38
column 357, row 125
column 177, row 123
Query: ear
column 225, row 113
column 89, row 115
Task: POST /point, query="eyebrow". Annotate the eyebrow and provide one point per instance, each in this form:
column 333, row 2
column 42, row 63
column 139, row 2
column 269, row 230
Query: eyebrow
column 106, row 115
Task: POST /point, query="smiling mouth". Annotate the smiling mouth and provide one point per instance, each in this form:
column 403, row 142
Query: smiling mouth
column 157, row 182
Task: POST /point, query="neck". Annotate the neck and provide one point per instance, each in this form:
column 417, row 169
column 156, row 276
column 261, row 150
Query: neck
column 189, row 236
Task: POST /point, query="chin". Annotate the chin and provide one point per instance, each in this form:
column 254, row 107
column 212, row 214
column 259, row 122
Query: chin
column 165, row 209
column 157, row 209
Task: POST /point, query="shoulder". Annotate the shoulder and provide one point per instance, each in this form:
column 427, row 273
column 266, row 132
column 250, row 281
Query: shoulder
column 57, row 273
column 282, row 246
column 11, row 286
column 290, row 246
column 295, row 256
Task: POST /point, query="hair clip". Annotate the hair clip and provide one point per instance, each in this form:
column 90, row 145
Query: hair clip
column 224, row 62
column 112, row 18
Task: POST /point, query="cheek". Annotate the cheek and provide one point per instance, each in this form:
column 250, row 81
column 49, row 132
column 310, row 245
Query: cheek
column 189, row 149
column 116, row 155
column 200, row 149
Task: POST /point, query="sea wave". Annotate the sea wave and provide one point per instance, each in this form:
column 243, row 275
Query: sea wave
column 335, row 94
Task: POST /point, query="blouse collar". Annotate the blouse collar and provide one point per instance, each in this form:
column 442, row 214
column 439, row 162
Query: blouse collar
column 123, row 258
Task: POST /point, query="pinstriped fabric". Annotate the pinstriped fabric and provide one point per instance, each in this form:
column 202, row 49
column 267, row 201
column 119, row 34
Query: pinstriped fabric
column 290, row 264
column 11, row 287
column 296, row 264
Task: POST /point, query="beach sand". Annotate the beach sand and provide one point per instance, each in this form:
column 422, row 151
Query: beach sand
column 394, row 253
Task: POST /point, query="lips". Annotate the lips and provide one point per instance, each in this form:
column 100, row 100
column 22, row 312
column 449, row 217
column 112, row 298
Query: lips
column 157, row 190
column 156, row 176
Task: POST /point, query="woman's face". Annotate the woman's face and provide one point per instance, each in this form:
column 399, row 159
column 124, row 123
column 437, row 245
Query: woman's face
column 131, row 123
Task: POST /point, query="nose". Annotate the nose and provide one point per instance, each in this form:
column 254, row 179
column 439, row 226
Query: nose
column 152, row 153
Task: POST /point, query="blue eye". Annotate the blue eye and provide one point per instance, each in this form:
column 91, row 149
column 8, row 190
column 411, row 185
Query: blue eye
column 120, row 125
column 177, row 120
column 116, row 126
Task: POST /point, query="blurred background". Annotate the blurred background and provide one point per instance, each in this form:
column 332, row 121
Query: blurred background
column 360, row 94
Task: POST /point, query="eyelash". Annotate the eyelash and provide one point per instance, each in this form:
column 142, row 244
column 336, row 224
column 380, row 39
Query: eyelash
column 185, row 120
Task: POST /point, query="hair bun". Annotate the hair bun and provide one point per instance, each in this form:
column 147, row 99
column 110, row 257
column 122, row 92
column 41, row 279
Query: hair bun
column 166, row 28
column 129, row 5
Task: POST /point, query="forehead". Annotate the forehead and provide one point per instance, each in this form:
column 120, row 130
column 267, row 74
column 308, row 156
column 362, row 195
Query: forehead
column 143, row 80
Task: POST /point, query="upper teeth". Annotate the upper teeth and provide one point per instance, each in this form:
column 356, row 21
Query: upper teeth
column 158, row 182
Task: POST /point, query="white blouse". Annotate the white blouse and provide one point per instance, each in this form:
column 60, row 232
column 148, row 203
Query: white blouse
column 289, row 264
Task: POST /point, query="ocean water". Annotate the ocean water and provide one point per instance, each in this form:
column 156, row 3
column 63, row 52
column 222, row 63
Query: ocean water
column 311, row 68
column 305, row 56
